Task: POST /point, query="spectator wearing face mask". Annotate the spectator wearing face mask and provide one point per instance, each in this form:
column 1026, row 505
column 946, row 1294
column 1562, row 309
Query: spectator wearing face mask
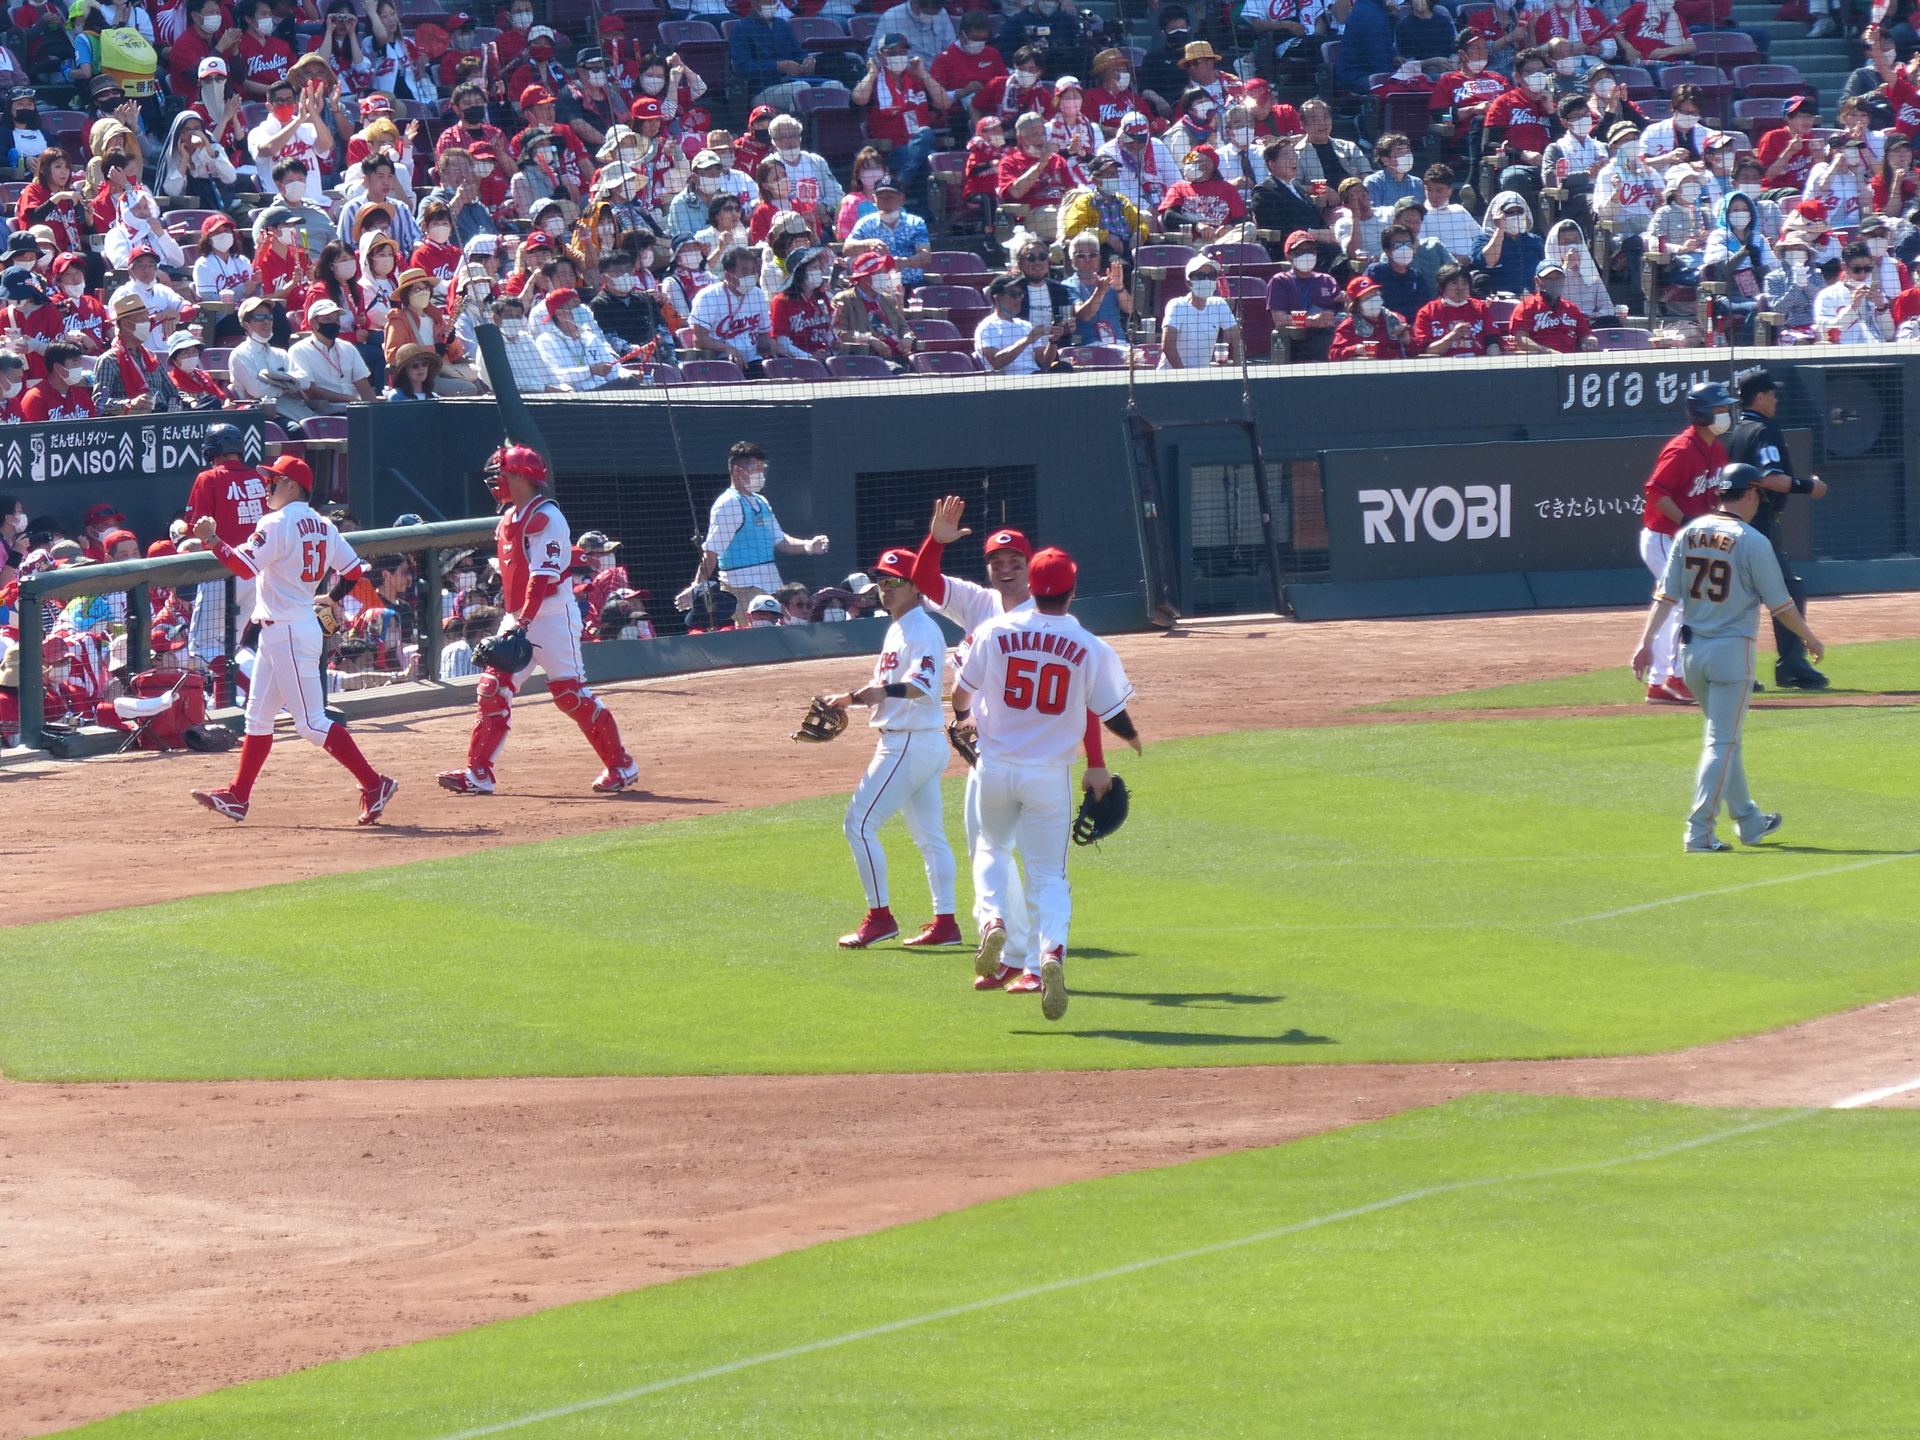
column 767, row 57
column 1545, row 322
column 1198, row 122
column 1204, row 202
column 870, row 315
column 62, row 395
column 1161, row 78
column 130, row 379
column 331, row 372
column 814, row 189
column 1007, row 344
column 258, row 372
column 1147, row 166
column 1585, row 290
column 528, row 369
column 1113, row 97
column 1019, row 92
column 1738, row 254
column 628, row 313
column 743, row 534
column 1241, row 164
column 197, row 389
column 904, row 99
column 688, row 212
column 1573, row 161
column 1403, row 288
column 803, row 319
column 1429, row 255
column 1101, row 211
column 31, row 318
column 1680, row 139
column 1048, row 28
column 1393, row 178
column 924, row 25
column 13, row 386
column 1520, row 123
column 731, row 319
column 1465, row 93
column 1370, row 331
column 82, row 316
column 1790, row 290
column 576, row 355
column 1607, row 102
column 1101, row 299
column 1652, row 32
column 1508, row 252
column 1840, row 183
column 1890, row 273
column 314, row 227
column 1455, row 325
column 1626, row 192
column 1305, row 298
column 296, row 128
column 1072, row 134
column 892, row 229
column 223, row 270
column 971, row 63
column 1681, row 224
column 1195, row 324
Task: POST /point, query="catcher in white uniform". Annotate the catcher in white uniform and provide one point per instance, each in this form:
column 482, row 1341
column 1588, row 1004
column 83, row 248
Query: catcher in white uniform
column 1008, row 553
column 907, row 763
column 290, row 552
column 1027, row 684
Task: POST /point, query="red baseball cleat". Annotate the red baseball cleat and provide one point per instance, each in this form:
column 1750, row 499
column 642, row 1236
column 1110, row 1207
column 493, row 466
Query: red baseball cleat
column 373, row 803
column 465, row 782
column 879, row 925
column 1027, row 984
column 612, row 782
column 1053, row 984
column 1677, row 688
column 993, row 940
column 996, row 981
column 222, row 802
column 938, row 932
column 1660, row 695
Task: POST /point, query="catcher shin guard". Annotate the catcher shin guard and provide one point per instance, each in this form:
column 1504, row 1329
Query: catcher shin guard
column 596, row 722
column 346, row 750
column 495, row 693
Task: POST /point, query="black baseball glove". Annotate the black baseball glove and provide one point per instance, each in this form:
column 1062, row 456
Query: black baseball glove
column 823, row 722
column 509, row 652
column 1100, row 818
column 965, row 741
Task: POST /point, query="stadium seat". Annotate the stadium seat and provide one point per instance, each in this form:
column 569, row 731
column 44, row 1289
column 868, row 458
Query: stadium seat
column 712, row 372
column 935, row 329
column 1624, row 337
column 1247, row 294
column 814, row 98
column 1501, row 313
column 216, row 361
column 10, row 193
column 675, row 33
column 1095, row 357
column 790, row 367
column 1769, row 82
column 187, row 222
column 862, row 28
column 1165, row 266
column 1761, row 115
column 324, row 427
column 1656, row 109
column 1638, row 82
column 660, row 373
column 957, row 266
column 63, row 127
column 859, row 367
column 1710, row 45
column 963, row 305
column 838, row 132
column 946, row 362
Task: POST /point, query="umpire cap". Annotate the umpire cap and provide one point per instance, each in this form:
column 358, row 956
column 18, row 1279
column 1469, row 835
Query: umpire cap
column 1733, row 481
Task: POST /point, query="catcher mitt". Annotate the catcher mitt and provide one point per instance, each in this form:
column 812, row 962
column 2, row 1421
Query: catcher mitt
column 509, row 652
column 822, row 723
column 966, row 743
column 1100, row 818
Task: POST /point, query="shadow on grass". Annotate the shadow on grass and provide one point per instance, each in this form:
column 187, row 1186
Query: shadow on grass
column 1178, row 999
column 1087, row 952
column 1185, row 1038
column 1835, row 850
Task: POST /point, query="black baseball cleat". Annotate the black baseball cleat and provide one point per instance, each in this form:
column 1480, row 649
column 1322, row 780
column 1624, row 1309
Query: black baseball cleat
column 1770, row 823
column 1800, row 677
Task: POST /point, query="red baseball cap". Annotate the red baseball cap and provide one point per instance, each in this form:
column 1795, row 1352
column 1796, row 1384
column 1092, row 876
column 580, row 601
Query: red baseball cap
column 645, row 108
column 114, row 537
column 101, row 510
column 1009, row 540
column 538, row 240
column 562, row 300
column 871, row 263
column 160, row 548
column 612, row 22
column 292, row 467
column 1052, row 573
column 535, row 95
column 897, row 563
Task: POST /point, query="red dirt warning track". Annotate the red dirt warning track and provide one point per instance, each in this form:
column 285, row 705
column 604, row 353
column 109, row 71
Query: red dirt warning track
column 159, row 1240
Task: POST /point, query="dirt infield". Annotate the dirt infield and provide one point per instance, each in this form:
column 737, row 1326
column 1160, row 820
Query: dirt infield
column 718, row 741
column 159, row 1240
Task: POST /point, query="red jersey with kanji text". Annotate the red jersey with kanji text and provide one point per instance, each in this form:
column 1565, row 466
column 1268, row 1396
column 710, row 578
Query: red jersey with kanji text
column 1684, row 474
column 1774, row 144
column 235, row 496
column 1552, row 323
column 530, row 544
column 1436, row 318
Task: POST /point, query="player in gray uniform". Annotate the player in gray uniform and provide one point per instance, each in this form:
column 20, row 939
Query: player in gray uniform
column 1720, row 572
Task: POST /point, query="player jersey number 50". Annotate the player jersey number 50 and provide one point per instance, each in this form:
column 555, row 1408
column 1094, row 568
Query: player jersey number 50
column 1045, row 692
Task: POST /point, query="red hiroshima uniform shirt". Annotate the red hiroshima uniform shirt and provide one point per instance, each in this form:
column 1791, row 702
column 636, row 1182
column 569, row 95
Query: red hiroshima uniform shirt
column 235, row 496
column 1528, row 126
column 1552, row 323
column 43, row 402
column 1436, row 318
column 533, row 555
column 1684, row 474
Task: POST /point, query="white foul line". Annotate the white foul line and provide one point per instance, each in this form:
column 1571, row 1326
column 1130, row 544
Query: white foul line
column 1013, row 1297
column 1874, row 1097
column 1750, row 885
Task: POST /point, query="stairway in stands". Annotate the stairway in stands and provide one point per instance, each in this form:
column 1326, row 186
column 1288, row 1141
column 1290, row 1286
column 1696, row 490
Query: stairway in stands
column 1821, row 63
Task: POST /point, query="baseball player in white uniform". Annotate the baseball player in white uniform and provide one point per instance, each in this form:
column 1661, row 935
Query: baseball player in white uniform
column 907, row 763
column 535, row 550
column 1027, row 683
column 289, row 553
column 1720, row 572
column 970, row 606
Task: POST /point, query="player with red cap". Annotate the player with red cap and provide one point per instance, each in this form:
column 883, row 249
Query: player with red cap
column 290, row 551
column 1028, row 679
column 907, row 763
column 535, row 552
column 1008, row 553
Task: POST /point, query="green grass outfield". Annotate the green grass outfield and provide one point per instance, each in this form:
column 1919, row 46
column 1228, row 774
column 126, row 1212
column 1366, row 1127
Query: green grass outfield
column 1740, row 1275
column 1396, row 892
column 1879, row 667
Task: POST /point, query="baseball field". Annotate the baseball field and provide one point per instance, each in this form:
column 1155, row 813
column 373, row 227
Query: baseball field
column 1414, row 1082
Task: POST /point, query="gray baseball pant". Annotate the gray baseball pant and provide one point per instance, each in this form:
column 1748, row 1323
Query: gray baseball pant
column 1720, row 674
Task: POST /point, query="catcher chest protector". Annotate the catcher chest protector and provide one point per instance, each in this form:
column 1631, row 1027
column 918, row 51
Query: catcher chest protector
column 168, row 729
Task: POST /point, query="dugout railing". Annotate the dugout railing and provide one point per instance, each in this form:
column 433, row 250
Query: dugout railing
column 136, row 578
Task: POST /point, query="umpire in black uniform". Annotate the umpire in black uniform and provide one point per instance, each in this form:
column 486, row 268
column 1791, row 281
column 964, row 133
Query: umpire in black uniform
column 1755, row 440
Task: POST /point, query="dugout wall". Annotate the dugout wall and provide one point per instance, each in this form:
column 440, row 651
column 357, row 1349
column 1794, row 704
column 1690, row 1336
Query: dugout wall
column 1410, row 487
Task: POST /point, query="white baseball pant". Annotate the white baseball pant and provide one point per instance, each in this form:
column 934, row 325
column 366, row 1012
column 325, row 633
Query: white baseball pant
column 1654, row 549
column 555, row 633
column 1030, row 806
column 286, row 676
column 1019, row 952
column 904, row 776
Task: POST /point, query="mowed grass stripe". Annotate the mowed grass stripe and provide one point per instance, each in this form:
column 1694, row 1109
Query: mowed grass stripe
column 1367, row 893
column 1647, row 1270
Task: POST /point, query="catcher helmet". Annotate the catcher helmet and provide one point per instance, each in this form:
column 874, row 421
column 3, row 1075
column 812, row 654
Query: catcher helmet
column 521, row 460
column 223, row 440
column 1703, row 400
column 1733, row 481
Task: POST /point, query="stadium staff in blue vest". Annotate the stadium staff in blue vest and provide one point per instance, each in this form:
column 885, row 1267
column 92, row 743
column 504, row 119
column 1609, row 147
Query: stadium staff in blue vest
column 743, row 536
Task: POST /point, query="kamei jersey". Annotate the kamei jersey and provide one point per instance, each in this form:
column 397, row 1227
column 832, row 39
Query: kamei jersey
column 532, row 543
column 910, row 655
column 1721, row 571
column 1038, row 675
column 290, row 552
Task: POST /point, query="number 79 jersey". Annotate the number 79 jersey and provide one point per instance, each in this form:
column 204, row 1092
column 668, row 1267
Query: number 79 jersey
column 1721, row 571
column 291, row 550
column 1035, row 677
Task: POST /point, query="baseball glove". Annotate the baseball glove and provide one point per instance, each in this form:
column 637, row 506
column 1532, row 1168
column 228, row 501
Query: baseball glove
column 509, row 652
column 1100, row 818
column 965, row 741
column 822, row 723
column 328, row 614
